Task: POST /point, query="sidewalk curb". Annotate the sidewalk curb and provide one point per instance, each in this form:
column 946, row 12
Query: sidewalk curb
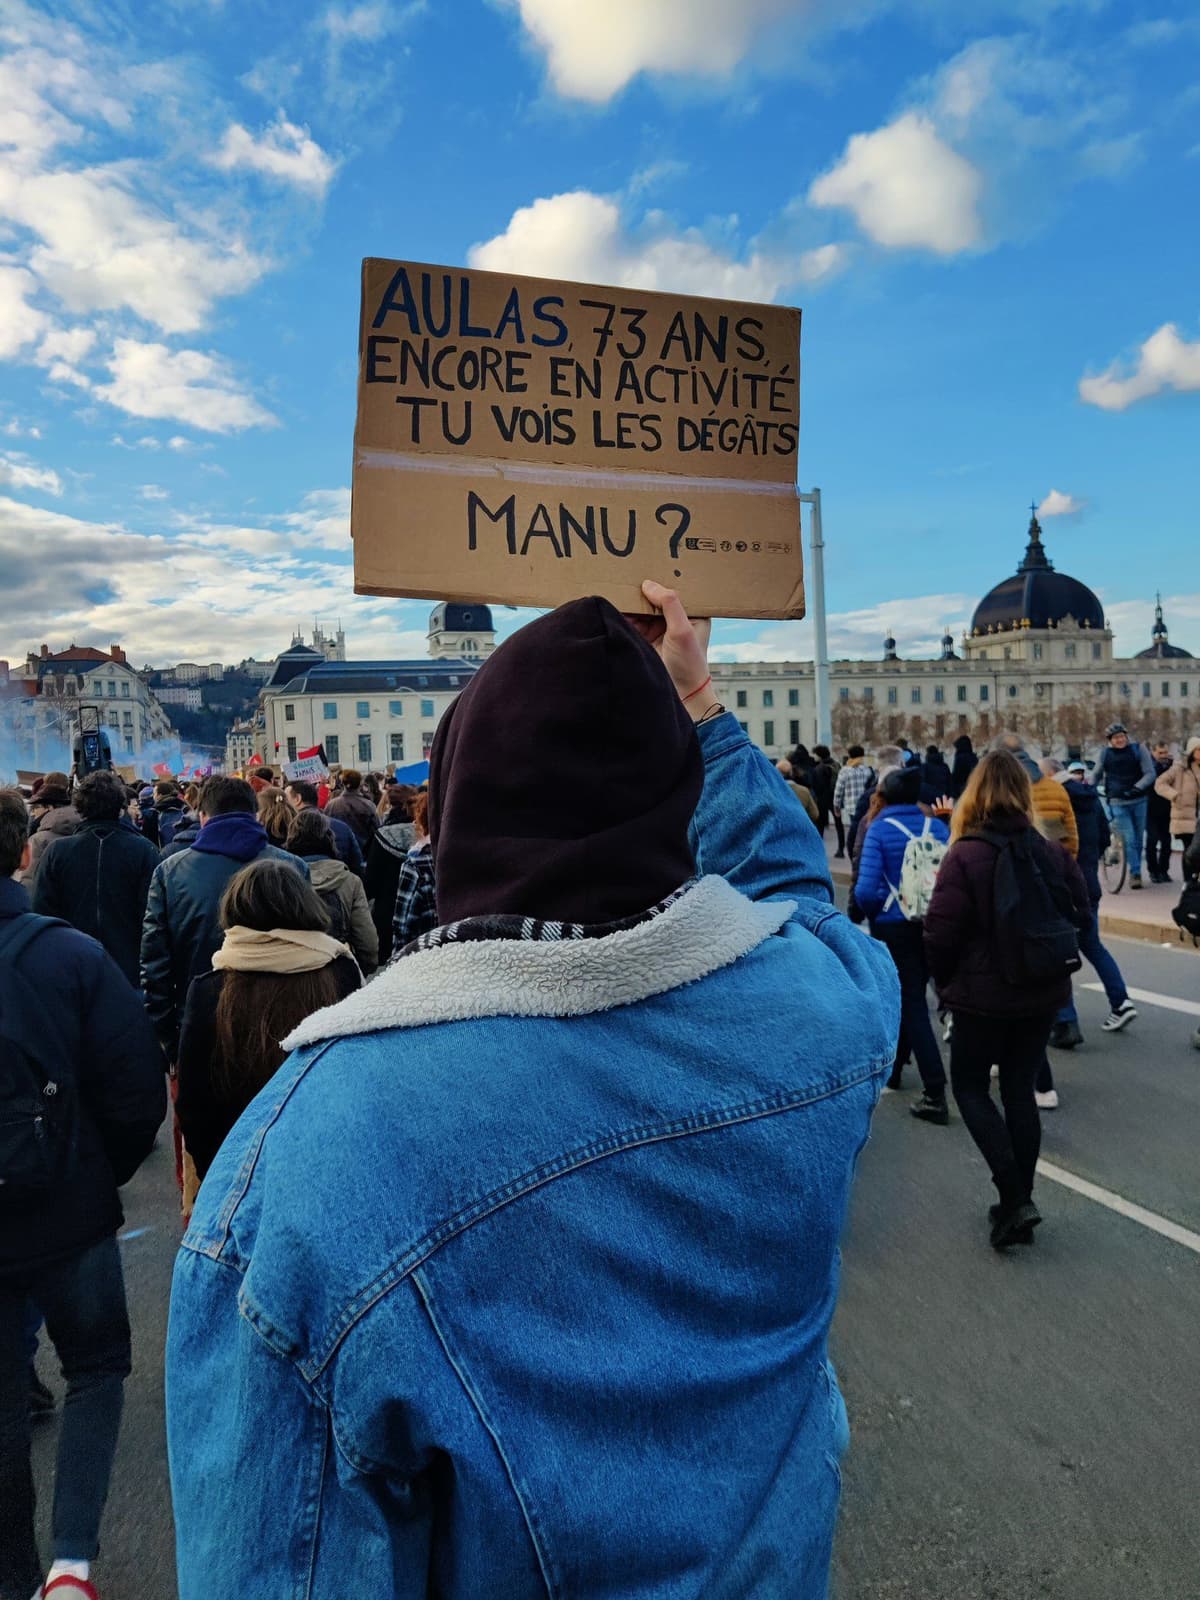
column 1118, row 927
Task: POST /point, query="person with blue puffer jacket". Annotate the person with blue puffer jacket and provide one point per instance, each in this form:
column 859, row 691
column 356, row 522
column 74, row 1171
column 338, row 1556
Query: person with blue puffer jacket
column 877, row 890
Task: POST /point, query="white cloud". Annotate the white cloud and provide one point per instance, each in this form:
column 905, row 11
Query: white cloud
column 1058, row 504
column 151, row 380
column 362, row 23
column 1164, row 361
column 285, row 151
column 595, row 47
column 16, row 429
column 153, row 491
column 234, row 591
column 906, row 188
column 582, row 236
column 20, row 322
column 18, row 472
column 178, row 442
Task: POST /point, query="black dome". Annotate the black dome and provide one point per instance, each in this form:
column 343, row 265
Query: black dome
column 1037, row 595
column 454, row 617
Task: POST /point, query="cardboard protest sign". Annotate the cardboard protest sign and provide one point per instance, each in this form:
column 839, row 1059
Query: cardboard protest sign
column 308, row 769
column 528, row 442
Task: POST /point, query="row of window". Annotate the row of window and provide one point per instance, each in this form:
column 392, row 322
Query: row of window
column 768, row 737
column 768, row 697
column 362, row 710
column 939, row 694
column 1070, row 652
column 112, row 688
column 365, row 747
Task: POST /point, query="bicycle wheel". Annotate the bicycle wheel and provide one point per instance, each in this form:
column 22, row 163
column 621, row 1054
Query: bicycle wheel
column 1113, row 865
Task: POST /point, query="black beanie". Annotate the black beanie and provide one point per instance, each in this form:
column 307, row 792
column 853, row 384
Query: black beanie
column 563, row 778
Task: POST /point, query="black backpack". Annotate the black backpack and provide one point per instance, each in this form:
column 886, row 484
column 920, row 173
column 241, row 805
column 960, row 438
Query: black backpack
column 1187, row 912
column 39, row 1109
column 339, row 922
column 1033, row 925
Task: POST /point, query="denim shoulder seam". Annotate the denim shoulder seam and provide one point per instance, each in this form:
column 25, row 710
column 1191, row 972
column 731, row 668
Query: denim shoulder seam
column 476, row 1401
column 487, row 1205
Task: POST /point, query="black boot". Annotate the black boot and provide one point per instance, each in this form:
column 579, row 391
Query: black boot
column 1013, row 1223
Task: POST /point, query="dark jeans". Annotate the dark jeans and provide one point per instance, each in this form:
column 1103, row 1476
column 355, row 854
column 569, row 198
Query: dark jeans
column 906, row 947
column 1158, row 841
column 1009, row 1143
column 841, row 834
column 83, row 1302
column 1107, row 970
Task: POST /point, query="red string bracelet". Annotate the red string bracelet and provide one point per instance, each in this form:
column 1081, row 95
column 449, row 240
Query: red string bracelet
column 696, row 691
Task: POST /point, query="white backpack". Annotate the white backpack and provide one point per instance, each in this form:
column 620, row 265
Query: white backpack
column 923, row 855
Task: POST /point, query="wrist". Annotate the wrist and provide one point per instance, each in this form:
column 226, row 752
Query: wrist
column 704, row 705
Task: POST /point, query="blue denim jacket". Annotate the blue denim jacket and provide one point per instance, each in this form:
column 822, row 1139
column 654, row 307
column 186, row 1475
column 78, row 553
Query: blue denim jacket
column 517, row 1278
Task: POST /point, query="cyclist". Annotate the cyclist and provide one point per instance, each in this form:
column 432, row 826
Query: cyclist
column 1125, row 773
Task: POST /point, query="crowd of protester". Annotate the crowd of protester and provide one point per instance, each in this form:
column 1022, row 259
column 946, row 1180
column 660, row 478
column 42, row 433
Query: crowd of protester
column 401, row 1031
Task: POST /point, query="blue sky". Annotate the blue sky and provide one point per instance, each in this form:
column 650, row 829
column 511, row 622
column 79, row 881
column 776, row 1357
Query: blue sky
column 992, row 227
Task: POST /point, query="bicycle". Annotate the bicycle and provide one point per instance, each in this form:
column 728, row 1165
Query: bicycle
column 1113, row 865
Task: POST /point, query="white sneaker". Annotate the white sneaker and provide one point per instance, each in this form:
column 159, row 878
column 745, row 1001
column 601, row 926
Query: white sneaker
column 1117, row 1019
column 1047, row 1101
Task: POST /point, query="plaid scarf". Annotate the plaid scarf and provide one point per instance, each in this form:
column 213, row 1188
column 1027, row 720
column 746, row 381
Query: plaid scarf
column 509, row 926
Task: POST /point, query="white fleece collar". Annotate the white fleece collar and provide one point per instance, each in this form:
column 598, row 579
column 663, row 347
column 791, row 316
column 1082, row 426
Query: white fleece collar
column 708, row 928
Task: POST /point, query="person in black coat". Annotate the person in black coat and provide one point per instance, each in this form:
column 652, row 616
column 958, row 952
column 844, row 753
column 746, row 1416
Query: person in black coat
column 965, row 762
column 98, row 878
column 936, row 777
column 824, row 777
column 181, row 928
column 67, row 1010
column 277, row 964
column 303, row 797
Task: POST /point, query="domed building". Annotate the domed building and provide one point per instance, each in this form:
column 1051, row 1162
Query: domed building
column 464, row 631
column 1037, row 660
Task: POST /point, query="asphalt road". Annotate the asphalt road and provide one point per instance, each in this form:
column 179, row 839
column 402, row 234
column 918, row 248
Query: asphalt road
column 1024, row 1425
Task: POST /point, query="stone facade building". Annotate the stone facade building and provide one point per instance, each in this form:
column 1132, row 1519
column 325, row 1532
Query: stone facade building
column 1037, row 660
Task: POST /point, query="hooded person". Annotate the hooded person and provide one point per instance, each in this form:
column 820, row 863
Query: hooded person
column 590, row 1250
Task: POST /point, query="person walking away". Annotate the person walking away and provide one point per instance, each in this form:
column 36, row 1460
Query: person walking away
column 547, row 1143
column 277, row 963
column 302, row 796
column 852, row 781
column 965, row 762
column 1094, row 838
column 824, row 777
column 345, row 900
column 802, row 764
column 275, row 813
column 1052, row 813
column 1158, row 818
column 68, row 1018
column 393, row 840
column 1125, row 773
column 169, row 812
column 355, row 809
column 804, row 795
column 187, row 831
column 182, row 929
column 888, row 758
column 56, row 820
column 901, row 853
column 147, row 817
column 1001, row 941
column 98, row 878
column 937, row 778
column 416, row 903
column 1180, row 786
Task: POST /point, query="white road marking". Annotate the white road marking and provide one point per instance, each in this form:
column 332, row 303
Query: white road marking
column 1147, row 996
column 1118, row 1203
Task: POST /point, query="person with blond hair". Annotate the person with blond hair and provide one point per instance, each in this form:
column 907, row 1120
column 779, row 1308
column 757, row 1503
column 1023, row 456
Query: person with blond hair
column 1001, row 940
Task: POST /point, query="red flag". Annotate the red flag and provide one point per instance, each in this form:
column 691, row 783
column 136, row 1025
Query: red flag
column 162, row 770
column 303, row 755
column 255, row 761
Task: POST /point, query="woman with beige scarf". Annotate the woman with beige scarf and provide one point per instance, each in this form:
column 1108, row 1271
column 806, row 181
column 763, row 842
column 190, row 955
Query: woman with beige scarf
column 276, row 966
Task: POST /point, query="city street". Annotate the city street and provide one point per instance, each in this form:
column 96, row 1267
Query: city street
column 1023, row 1425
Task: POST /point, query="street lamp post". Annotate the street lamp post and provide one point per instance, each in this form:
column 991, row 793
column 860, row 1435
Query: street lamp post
column 815, row 590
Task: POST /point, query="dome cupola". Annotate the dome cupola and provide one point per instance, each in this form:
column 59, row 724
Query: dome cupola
column 1161, row 649
column 1037, row 597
